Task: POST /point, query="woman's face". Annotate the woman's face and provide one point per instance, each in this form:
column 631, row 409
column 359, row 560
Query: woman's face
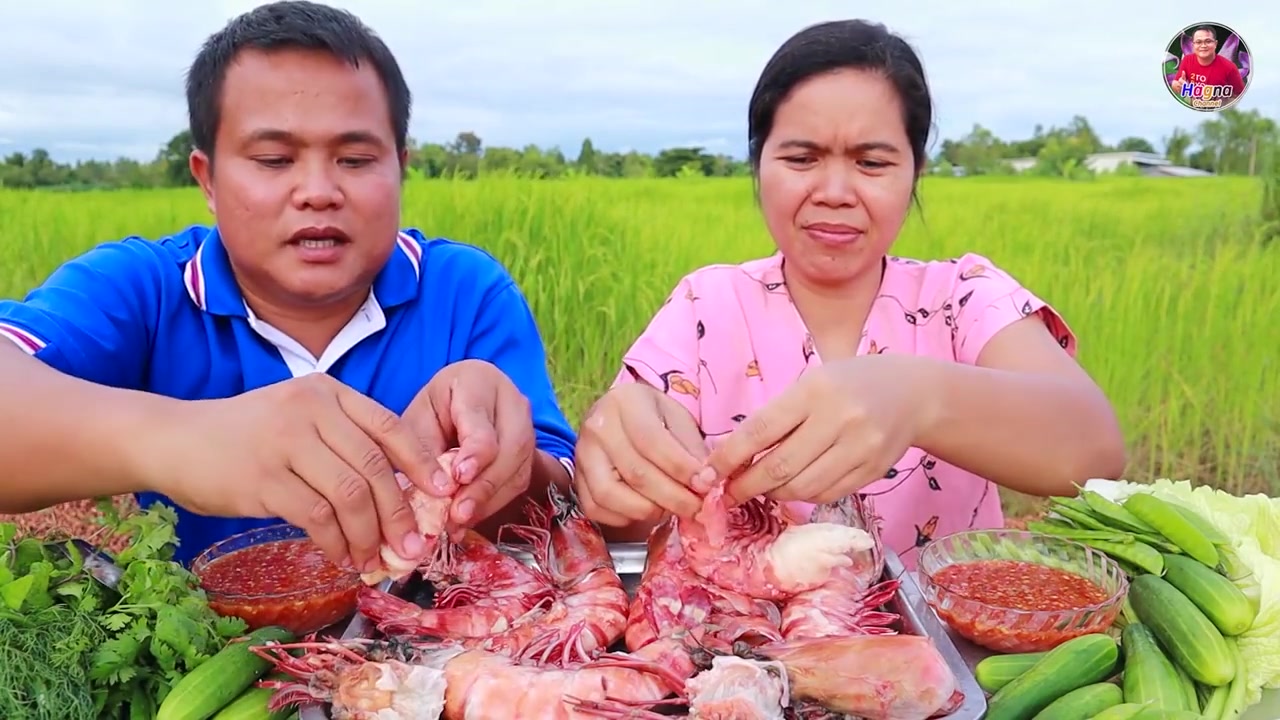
column 836, row 175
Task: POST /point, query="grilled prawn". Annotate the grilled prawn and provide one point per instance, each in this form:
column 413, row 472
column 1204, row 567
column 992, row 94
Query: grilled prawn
column 430, row 512
column 755, row 549
column 573, row 604
column 372, row 680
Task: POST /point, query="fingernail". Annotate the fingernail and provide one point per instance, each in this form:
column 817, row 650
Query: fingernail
column 466, row 509
column 345, row 563
column 703, row 480
column 465, row 470
column 371, row 565
column 440, row 481
column 414, row 544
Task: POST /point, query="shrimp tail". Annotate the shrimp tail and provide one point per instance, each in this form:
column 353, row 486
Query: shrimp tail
column 390, row 614
column 616, row 709
column 674, row 681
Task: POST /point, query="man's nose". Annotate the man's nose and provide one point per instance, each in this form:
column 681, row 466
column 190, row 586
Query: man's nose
column 317, row 185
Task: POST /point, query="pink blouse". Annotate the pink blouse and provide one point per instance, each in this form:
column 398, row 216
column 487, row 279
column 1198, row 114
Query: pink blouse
column 728, row 339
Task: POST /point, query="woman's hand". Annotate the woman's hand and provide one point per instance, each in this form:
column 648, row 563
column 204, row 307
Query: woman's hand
column 637, row 454
column 836, row 430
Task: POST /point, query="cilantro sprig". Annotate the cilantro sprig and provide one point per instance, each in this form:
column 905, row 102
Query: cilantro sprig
column 161, row 627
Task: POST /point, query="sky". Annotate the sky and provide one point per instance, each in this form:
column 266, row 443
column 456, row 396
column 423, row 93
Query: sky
column 104, row 79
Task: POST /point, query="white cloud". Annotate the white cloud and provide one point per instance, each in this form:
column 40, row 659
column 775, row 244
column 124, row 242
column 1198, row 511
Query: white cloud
column 105, row 79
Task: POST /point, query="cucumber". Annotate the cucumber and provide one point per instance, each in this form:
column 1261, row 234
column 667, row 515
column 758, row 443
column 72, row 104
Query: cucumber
column 1082, row 703
column 204, row 691
column 1123, row 711
column 1174, row 526
column 1217, row 597
column 996, row 671
column 1183, row 630
column 252, row 705
column 1149, row 677
column 1080, row 661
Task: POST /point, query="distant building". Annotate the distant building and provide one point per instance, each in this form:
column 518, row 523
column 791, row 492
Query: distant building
column 1148, row 164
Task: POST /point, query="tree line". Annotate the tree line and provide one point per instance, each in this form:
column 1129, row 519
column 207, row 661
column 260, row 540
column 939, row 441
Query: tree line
column 1228, row 143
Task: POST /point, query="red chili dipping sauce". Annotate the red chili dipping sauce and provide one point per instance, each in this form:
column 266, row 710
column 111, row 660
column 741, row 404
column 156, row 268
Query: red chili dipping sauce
column 288, row 583
column 1016, row 585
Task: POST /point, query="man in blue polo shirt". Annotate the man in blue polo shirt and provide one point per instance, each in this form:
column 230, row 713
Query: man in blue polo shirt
column 283, row 363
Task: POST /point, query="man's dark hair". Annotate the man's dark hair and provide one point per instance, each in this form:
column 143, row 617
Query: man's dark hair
column 290, row 24
column 1207, row 28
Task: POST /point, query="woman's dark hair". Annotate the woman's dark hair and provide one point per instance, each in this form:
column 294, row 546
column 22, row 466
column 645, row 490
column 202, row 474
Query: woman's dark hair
column 837, row 45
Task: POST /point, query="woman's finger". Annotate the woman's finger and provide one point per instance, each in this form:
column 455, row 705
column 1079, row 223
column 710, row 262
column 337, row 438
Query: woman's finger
column 655, row 441
column 762, row 430
column 785, row 462
column 593, row 509
column 648, row 479
column 823, row 475
column 857, row 478
column 606, row 488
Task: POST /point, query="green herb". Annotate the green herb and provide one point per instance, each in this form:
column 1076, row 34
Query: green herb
column 162, row 627
column 73, row 649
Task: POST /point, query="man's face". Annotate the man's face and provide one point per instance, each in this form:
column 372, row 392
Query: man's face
column 1204, row 44
column 305, row 145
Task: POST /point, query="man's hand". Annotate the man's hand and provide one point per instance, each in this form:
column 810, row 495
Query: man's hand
column 309, row 450
column 474, row 406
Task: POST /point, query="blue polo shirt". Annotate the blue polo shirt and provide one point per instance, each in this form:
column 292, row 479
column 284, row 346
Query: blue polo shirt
column 168, row 317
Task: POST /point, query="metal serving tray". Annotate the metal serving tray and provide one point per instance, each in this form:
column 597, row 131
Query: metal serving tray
column 909, row 603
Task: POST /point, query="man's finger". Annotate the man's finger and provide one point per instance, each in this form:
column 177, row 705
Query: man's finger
column 783, row 463
column 760, row 431
column 294, row 501
column 421, row 418
column 401, row 444
column 349, row 496
column 471, row 407
column 657, row 444
column 395, row 517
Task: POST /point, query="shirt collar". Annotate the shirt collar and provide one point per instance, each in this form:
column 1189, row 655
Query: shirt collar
column 211, row 283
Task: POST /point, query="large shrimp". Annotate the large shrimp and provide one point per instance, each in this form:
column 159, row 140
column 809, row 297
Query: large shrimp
column 579, row 611
column 480, row 591
column 876, row 677
column 670, row 599
column 430, row 512
column 846, row 602
column 755, row 549
column 372, row 680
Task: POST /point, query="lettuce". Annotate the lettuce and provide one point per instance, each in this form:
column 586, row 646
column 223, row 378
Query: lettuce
column 1253, row 563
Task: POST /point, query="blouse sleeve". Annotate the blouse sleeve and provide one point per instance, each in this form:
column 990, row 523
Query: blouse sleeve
column 666, row 353
column 987, row 300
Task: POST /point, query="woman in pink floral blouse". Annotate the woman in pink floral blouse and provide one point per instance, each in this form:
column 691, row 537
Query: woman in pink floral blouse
column 836, row 366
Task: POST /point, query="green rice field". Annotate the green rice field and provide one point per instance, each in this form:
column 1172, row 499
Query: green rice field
column 1174, row 299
